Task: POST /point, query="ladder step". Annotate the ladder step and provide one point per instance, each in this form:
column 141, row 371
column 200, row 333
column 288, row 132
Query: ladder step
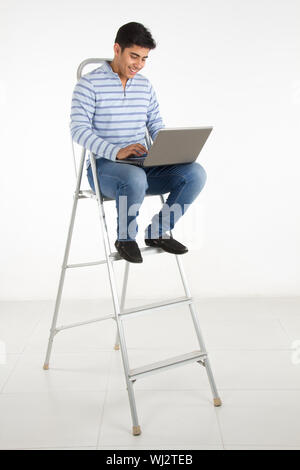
column 114, row 256
column 166, row 364
column 146, row 250
column 82, row 265
column 87, row 194
column 156, row 306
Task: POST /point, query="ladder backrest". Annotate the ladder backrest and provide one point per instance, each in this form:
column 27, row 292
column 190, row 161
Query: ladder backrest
column 80, row 69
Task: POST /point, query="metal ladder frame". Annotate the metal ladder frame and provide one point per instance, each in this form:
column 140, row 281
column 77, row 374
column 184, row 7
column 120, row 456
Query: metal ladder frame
column 131, row 375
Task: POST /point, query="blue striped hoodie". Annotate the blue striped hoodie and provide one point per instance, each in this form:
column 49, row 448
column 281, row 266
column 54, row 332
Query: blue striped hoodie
column 105, row 117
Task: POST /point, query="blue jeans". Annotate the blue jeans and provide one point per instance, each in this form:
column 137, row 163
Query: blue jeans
column 128, row 184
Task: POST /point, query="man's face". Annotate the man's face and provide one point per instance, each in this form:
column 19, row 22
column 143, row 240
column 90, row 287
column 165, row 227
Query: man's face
column 131, row 61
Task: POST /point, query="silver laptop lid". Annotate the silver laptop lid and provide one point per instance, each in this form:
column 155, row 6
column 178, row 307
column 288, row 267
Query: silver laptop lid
column 177, row 145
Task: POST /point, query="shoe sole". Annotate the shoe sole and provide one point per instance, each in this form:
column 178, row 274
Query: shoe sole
column 166, row 250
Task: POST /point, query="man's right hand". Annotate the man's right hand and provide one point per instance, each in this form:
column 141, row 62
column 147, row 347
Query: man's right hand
column 133, row 149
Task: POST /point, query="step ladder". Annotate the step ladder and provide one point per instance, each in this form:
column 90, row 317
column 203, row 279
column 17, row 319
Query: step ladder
column 120, row 313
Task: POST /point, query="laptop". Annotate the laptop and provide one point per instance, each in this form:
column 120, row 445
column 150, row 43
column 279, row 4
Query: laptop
column 172, row 146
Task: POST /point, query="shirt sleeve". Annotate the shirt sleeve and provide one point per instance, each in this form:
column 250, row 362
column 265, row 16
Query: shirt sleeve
column 154, row 120
column 81, row 125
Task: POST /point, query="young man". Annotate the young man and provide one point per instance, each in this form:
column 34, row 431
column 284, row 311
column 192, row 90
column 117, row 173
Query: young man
column 111, row 108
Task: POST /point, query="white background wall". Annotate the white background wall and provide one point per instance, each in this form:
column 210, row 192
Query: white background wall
column 233, row 64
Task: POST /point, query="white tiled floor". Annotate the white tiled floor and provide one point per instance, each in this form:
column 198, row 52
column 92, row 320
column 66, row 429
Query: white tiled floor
column 81, row 402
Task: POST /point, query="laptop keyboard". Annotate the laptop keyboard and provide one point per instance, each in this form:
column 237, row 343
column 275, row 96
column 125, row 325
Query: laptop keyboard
column 134, row 160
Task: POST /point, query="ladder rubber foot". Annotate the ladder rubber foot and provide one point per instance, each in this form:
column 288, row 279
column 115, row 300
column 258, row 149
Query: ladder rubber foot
column 217, row 402
column 136, row 430
column 46, row 366
column 116, row 347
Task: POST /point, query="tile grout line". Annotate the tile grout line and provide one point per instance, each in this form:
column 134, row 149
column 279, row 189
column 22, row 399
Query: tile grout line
column 105, row 400
column 283, row 328
column 20, row 356
column 31, row 334
column 242, row 390
column 180, row 351
column 216, row 411
column 10, row 374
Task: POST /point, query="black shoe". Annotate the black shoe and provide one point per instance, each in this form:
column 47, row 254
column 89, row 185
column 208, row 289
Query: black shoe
column 129, row 250
column 167, row 244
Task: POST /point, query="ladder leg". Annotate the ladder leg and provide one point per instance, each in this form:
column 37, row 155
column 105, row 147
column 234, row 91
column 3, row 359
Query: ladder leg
column 136, row 430
column 125, row 280
column 217, row 400
column 64, row 265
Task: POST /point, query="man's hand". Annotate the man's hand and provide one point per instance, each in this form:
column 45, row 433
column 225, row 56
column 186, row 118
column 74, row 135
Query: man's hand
column 133, row 149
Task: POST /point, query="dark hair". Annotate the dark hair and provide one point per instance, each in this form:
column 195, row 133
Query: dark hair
column 134, row 34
